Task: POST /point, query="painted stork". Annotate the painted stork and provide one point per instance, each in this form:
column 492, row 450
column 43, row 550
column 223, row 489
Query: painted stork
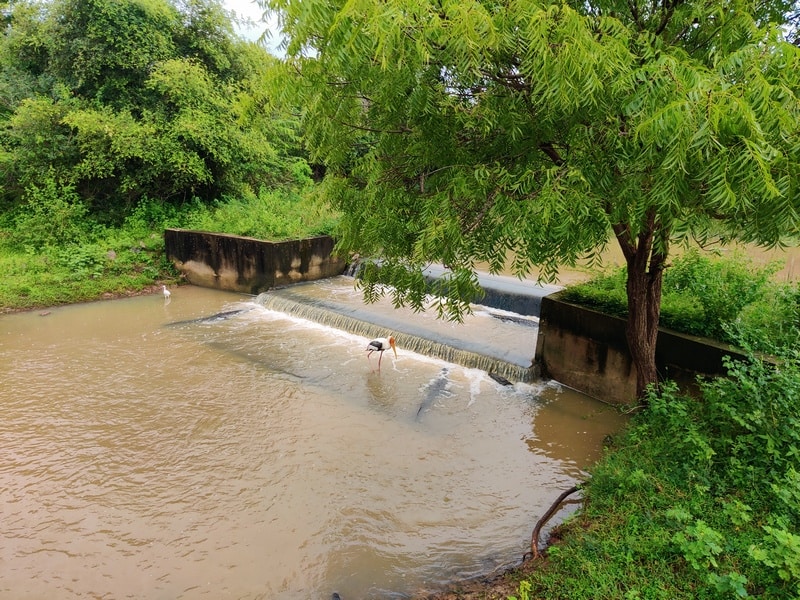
column 381, row 345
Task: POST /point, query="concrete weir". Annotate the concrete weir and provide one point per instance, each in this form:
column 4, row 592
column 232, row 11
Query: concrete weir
column 486, row 340
column 506, row 293
column 587, row 350
column 576, row 346
column 248, row 265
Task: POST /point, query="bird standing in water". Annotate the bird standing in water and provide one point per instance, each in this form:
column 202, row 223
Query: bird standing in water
column 166, row 292
column 381, row 345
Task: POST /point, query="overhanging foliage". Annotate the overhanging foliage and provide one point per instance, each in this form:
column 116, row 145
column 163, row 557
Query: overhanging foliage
column 459, row 132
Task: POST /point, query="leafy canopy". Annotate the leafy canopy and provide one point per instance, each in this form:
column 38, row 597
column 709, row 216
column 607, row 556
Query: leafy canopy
column 120, row 100
column 459, row 131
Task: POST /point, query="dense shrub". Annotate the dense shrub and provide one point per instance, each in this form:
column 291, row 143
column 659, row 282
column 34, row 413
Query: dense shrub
column 740, row 441
column 721, row 286
column 770, row 324
column 731, row 299
column 127, row 99
column 52, row 215
column 699, row 499
column 272, row 214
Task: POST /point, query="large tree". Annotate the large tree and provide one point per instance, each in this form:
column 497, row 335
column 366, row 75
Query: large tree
column 460, row 131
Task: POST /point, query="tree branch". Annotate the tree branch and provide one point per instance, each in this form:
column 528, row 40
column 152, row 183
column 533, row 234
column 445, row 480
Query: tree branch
column 666, row 15
column 372, row 129
column 484, row 210
column 552, row 153
column 634, row 12
column 622, row 232
column 645, row 238
column 515, row 81
column 658, row 260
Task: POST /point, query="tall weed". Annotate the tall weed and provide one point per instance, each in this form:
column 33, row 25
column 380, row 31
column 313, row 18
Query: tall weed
column 741, row 441
column 272, row 214
column 52, row 215
column 770, row 324
column 721, row 286
column 700, row 498
column 151, row 215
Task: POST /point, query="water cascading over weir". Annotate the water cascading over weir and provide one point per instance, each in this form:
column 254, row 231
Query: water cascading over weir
column 302, row 278
column 498, row 341
column 577, row 346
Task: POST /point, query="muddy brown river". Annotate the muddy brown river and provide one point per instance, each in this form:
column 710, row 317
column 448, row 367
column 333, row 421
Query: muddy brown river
column 147, row 451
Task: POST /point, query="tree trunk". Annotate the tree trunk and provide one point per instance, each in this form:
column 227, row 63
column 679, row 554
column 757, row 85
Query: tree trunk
column 644, row 309
column 645, row 274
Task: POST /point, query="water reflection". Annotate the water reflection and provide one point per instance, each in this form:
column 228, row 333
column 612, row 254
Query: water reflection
column 574, row 432
column 258, row 456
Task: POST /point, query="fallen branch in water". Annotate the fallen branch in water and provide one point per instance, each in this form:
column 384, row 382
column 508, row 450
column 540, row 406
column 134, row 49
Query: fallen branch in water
column 546, row 517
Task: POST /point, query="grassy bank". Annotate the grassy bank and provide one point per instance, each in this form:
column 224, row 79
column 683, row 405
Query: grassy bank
column 731, row 298
column 700, row 498
column 55, row 253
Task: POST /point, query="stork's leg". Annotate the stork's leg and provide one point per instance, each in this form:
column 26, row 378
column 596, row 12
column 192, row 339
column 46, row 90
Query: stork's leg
column 380, row 358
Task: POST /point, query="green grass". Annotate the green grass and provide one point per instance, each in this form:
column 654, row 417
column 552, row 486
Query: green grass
column 48, row 261
column 274, row 215
column 68, row 274
column 731, row 299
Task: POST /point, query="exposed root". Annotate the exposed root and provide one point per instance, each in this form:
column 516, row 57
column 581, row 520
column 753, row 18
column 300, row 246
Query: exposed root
column 546, row 517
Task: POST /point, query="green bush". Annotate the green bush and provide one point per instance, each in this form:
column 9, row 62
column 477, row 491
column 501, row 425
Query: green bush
column 87, row 260
column 699, row 499
column 605, row 293
column 741, row 441
column 731, row 299
column 722, row 287
column 770, row 324
column 272, row 215
column 151, row 215
column 52, row 215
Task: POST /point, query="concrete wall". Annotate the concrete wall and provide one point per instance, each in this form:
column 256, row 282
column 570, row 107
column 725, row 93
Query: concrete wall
column 248, row 265
column 586, row 350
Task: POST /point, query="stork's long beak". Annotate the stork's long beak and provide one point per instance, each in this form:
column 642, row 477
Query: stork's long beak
column 391, row 343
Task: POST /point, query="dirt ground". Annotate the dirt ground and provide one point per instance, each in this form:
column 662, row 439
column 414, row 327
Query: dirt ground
column 496, row 586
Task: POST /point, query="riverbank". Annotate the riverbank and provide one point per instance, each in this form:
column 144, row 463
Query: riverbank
column 493, row 586
column 146, row 290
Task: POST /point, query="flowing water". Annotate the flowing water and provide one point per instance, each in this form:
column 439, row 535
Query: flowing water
column 491, row 340
column 155, row 450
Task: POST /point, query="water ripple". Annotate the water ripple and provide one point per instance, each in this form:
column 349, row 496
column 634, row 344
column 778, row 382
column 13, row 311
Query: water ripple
column 254, row 457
